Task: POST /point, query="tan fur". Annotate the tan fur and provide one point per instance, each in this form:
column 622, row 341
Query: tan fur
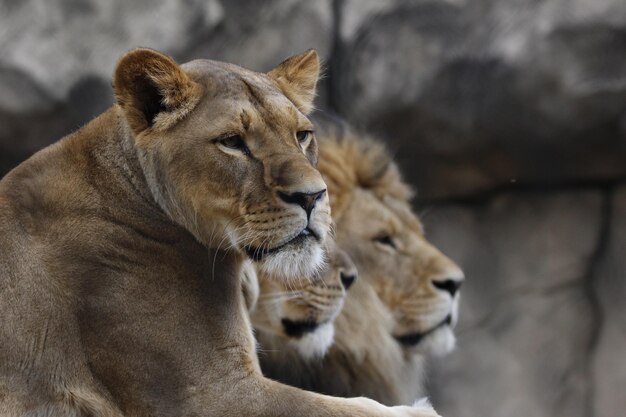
column 364, row 359
column 315, row 302
column 372, row 203
column 297, row 78
column 395, row 295
column 137, row 72
column 121, row 248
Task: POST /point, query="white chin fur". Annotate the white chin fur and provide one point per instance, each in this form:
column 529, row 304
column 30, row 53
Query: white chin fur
column 314, row 345
column 439, row 343
column 303, row 262
column 455, row 309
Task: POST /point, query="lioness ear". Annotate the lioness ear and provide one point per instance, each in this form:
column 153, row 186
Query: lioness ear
column 153, row 90
column 297, row 77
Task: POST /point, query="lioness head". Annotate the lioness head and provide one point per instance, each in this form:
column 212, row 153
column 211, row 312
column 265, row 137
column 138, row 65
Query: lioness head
column 230, row 155
column 376, row 226
column 303, row 311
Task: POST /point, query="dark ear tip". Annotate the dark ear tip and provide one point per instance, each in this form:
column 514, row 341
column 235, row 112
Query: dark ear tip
column 148, row 83
column 136, row 61
column 141, row 56
column 311, row 52
column 141, row 53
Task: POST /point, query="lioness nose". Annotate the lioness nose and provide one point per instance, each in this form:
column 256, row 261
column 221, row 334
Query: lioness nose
column 305, row 200
column 449, row 285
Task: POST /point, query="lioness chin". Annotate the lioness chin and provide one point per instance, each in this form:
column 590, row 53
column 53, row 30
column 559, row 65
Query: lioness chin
column 121, row 247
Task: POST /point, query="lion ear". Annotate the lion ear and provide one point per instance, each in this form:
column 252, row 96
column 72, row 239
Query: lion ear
column 153, row 90
column 297, row 77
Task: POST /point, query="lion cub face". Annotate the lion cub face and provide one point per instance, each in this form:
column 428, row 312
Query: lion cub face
column 302, row 311
column 230, row 154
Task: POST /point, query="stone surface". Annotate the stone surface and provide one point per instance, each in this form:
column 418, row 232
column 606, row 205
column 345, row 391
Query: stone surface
column 260, row 38
column 474, row 94
column 526, row 316
column 609, row 368
column 58, row 42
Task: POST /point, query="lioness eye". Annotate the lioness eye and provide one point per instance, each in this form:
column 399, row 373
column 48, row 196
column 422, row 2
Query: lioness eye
column 385, row 240
column 234, row 142
column 303, row 135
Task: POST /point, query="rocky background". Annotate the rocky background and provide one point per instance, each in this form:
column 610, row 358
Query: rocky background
column 509, row 116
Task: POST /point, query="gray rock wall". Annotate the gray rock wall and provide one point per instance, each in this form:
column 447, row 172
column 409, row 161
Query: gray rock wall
column 482, row 92
column 529, row 322
column 509, row 116
column 608, row 370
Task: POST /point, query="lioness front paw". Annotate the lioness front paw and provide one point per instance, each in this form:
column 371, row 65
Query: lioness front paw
column 414, row 411
column 420, row 408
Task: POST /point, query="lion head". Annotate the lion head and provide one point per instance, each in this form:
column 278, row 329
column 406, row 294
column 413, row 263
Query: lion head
column 301, row 312
column 230, row 155
column 377, row 227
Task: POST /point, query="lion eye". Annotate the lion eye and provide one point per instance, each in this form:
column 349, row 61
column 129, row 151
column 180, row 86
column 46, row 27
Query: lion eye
column 234, row 142
column 303, row 136
column 385, row 240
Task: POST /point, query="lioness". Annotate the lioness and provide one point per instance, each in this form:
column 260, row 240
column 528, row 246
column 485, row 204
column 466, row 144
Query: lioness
column 121, row 247
column 405, row 304
column 302, row 312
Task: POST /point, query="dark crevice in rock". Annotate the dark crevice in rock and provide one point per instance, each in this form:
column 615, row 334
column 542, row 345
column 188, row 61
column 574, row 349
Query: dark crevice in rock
column 597, row 314
column 336, row 51
column 542, row 291
column 480, row 198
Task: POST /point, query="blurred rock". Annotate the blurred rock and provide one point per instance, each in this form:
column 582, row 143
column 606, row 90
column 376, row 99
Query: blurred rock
column 474, row 94
column 609, row 368
column 261, row 37
column 59, row 42
column 526, row 315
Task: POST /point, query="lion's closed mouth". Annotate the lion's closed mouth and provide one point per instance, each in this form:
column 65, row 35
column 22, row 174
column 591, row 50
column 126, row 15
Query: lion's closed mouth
column 257, row 254
column 413, row 339
column 299, row 328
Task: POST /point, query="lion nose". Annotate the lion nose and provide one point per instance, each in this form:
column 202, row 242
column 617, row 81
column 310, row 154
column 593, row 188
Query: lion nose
column 347, row 279
column 305, row 200
column 449, row 285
